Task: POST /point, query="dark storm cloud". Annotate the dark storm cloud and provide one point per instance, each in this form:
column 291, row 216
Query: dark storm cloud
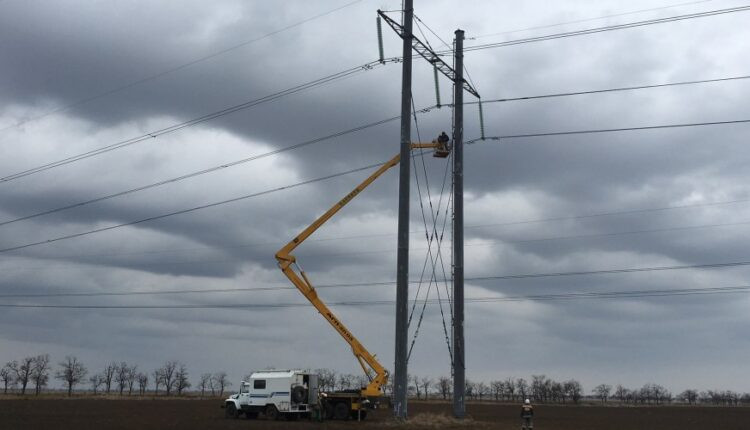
column 55, row 55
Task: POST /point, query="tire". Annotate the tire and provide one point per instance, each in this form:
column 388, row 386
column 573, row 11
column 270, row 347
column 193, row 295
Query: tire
column 341, row 411
column 299, row 394
column 231, row 411
column 328, row 411
column 272, row 413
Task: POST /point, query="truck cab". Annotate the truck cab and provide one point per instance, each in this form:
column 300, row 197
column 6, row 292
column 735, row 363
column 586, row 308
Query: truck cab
column 275, row 394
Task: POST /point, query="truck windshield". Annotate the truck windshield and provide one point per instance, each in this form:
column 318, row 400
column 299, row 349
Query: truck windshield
column 244, row 388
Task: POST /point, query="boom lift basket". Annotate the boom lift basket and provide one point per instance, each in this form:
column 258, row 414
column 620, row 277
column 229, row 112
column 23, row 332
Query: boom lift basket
column 443, row 148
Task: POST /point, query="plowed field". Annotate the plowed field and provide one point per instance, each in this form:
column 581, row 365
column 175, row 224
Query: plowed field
column 147, row 414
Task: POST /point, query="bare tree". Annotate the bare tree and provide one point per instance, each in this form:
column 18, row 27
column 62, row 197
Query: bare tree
column 221, row 381
column 445, row 386
column 621, row 393
column 22, row 371
column 8, row 377
column 168, row 375
column 470, row 389
column 142, row 383
column 108, row 375
column 510, row 388
column 158, row 380
column 602, row 392
column 538, row 388
column 417, row 388
column 72, row 372
column 426, row 383
column 131, row 377
column 205, row 383
column 483, row 390
column 40, row 372
column 345, row 381
column 573, row 389
column 523, row 388
column 557, row 392
column 497, row 389
column 96, row 380
column 690, row 396
column 181, row 381
column 121, row 376
column 326, row 379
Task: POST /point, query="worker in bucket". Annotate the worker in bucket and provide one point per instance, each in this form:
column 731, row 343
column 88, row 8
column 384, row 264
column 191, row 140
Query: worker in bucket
column 527, row 415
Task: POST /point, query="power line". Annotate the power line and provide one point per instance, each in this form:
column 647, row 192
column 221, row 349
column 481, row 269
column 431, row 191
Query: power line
column 389, row 283
column 610, row 130
column 175, row 69
column 183, row 211
column 485, row 243
column 338, row 134
column 208, row 117
column 502, row 224
column 604, row 29
column 202, row 172
column 610, row 90
column 539, row 27
column 476, row 300
column 555, row 238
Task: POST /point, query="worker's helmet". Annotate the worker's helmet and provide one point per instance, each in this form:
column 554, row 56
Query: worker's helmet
column 527, row 401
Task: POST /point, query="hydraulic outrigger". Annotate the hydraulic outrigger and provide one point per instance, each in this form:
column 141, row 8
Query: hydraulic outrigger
column 286, row 260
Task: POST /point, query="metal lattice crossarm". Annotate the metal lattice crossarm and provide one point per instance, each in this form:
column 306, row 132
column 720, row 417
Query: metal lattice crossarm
column 428, row 54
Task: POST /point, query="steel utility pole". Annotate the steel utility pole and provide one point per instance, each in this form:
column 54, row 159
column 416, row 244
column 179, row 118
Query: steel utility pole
column 459, row 367
column 400, row 382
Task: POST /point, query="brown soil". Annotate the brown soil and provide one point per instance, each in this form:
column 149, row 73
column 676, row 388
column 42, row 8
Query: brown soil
column 147, row 414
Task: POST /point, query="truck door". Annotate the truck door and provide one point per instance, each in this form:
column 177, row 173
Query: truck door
column 244, row 398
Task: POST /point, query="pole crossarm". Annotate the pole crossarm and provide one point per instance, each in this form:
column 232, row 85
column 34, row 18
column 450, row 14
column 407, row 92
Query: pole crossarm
column 428, row 54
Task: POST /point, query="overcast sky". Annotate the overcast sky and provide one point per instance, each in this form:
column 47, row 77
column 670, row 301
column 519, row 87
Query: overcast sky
column 77, row 76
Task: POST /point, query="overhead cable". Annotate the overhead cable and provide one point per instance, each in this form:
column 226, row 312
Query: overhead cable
column 195, row 121
column 539, row 27
column 183, row 211
column 473, row 300
column 609, row 130
column 603, row 29
column 385, row 283
column 342, row 133
column 203, row 172
column 176, row 68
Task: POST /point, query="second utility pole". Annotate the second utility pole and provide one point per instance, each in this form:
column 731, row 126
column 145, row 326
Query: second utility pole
column 400, row 382
column 459, row 367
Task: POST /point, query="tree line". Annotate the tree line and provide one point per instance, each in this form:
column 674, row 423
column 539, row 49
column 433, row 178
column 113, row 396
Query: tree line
column 539, row 389
column 116, row 377
column 172, row 378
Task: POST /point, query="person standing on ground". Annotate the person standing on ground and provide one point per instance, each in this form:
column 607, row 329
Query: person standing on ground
column 527, row 415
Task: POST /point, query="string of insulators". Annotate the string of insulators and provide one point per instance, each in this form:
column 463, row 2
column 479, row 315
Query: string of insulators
column 481, row 120
column 437, row 85
column 380, row 40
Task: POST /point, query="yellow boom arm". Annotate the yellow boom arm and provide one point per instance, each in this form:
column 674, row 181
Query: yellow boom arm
column 286, row 260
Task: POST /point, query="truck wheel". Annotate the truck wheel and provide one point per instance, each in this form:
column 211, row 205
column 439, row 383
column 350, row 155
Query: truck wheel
column 231, row 411
column 341, row 411
column 299, row 394
column 272, row 413
column 328, row 413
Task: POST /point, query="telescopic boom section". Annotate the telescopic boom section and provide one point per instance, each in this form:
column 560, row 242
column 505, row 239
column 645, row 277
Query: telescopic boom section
column 376, row 373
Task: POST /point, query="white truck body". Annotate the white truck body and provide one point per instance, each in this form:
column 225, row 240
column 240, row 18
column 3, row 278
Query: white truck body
column 275, row 392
